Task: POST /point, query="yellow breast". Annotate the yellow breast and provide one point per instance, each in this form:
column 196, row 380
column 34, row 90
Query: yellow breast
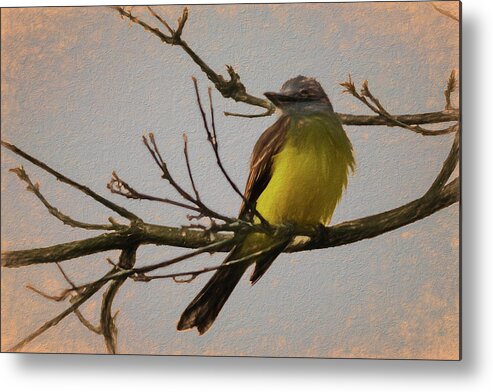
column 310, row 172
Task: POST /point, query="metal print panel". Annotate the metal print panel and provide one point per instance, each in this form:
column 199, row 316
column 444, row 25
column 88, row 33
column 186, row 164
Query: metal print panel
column 274, row 180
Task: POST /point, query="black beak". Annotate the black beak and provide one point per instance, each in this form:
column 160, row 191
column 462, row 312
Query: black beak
column 278, row 98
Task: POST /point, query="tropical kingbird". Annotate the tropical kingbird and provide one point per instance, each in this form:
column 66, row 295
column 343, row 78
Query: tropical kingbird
column 298, row 172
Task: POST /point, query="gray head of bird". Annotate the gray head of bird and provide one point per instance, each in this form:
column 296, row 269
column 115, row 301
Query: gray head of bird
column 300, row 94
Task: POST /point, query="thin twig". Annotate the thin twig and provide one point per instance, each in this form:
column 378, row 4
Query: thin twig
column 107, row 320
column 212, row 139
column 163, row 22
column 213, row 121
column 201, row 207
column 232, row 88
column 181, row 23
column 124, row 273
column 57, row 298
column 267, row 113
column 65, row 276
column 409, row 119
column 122, row 188
column 374, row 104
column 194, row 273
column 189, row 168
column 63, row 296
column 85, row 322
column 84, row 189
column 88, row 293
column 65, row 219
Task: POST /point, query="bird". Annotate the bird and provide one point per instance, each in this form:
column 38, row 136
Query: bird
column 299, row 170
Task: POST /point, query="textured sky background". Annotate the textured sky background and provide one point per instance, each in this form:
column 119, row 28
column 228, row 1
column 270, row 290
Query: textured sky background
column 79, row 88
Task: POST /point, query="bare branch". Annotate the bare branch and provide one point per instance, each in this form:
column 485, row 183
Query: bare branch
column 232, row 88
column 88, row 293
column 448, row 166
column 65, row 219
column 341, row 234
column 374, row 104
column 212, row 138
column 74, row 291
column 163, row 22
column 107, row 325
column 107, row 320
column 56, row 298
column 65, row 276
column 84, row 189
column 120, row 187
column 267, row 113
column 139, row 273
column 194, row 273
column 86, row 323
column 68, row 250
column 128, row 14
column 209, row 248
column 409, row 119
column 189, row 168
column 201, row 207
column 181, row 23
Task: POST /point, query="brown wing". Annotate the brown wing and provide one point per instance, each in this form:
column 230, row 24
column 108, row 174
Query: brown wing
column 268, row 145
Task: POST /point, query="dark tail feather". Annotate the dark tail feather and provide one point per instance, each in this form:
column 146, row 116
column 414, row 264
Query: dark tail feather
column 263, row 263
column 204, row 309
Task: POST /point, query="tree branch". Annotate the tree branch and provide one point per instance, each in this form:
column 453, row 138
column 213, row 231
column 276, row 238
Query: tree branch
column 341, row 234
column 189, row 167
column 120, row 187
column 212, row 138
column 448, row 166
column 81, row 299
column 234, row 89
column 375, row 225
column 409, row 119
column 65, row 219
column 194, row 273
column 107, row 320
column 84, row 189
column 139, row 273
column 374, row 104
column 201, row 207
column 86, row 323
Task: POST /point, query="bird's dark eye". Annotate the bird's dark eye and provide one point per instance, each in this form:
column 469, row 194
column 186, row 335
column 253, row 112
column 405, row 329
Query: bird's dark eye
column 304, row 92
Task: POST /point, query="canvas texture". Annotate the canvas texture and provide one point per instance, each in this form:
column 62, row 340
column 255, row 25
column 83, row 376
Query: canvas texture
column 80, row 87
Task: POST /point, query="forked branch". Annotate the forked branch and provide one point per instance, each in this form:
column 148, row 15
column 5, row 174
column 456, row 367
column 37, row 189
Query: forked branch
column 366, row 96
column 233, row 88
column 229, row 88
